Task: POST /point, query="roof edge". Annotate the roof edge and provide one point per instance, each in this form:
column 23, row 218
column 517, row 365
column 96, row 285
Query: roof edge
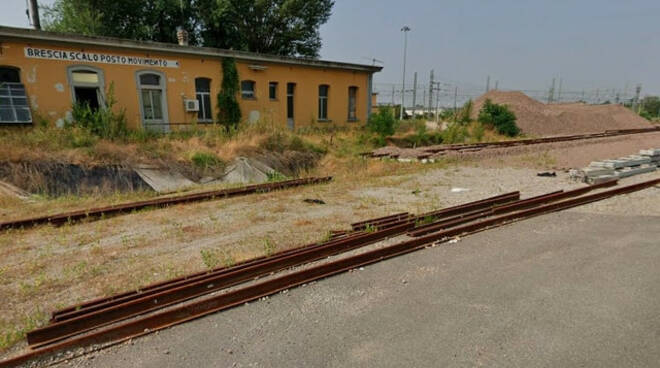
column 122, row 43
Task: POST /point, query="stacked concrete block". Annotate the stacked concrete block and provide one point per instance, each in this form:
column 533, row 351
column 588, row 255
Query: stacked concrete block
column 623, row 167
column 653, row 155
column 630, row 171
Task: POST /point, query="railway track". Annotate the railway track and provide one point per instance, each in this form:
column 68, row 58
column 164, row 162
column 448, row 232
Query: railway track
column 108, row 321
column 98, row 212
column 427, row 151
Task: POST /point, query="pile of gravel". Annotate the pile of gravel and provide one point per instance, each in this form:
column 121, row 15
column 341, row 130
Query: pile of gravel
column 539, row 119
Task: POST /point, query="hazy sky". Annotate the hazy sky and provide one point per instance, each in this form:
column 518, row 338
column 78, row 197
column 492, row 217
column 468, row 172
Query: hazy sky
column 523, row 44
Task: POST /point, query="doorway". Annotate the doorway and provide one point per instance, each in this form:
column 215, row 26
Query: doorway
column 290, row 89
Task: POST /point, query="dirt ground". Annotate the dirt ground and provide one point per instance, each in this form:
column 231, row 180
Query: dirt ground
column 47, row 268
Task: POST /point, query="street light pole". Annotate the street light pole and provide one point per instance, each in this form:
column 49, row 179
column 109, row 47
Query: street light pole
column 405, row 30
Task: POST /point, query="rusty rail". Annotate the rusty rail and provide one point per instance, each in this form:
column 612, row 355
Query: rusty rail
column 522, row 142
column 224, row 277
column 515, row 206
column 157, row 321
column 67, row 217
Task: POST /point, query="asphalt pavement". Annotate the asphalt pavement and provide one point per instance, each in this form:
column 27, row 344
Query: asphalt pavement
column 568, row 289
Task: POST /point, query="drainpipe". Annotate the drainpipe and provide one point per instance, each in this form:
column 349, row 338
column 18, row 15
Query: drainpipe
column 33, row 9
column 370, row 91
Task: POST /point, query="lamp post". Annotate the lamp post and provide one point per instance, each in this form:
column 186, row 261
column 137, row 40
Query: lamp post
column 405, row 30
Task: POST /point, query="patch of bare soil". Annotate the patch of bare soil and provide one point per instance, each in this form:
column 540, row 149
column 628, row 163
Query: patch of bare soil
column 538, row 119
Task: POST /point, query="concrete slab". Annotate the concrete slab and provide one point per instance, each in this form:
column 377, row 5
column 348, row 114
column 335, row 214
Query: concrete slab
column 629, row 171
column 634, row 160
column 9, row 190
column 163, row 180
column 650, row 152
column 244, row 170
column 614, row 164
column 597, row 171
column 600, row 179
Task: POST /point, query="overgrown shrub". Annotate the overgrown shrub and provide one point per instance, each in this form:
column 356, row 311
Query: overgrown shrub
column 463, row 115
column 102, row 122
column 500, row 117
column 382, row 123
column 422, row 137
column 455, row 133
column 478, row 132
column 205, row 160
column 229, row 112
column 280, row 141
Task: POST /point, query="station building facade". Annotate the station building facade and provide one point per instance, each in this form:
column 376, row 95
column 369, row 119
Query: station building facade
column 164, row 87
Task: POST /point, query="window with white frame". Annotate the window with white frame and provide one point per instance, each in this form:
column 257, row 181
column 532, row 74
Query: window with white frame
column 248, row 89
column 153, row 102
column 14, row 108
column 352, row 103
column 86, row 86
column 272, row 90
column 323, row 101
column 203, row 93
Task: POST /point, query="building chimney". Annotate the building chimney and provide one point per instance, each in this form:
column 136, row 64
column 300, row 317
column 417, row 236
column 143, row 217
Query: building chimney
column 34, row 14
column 182, row 36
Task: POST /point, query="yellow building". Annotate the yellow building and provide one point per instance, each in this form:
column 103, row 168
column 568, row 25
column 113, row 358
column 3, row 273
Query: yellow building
column 164, row 86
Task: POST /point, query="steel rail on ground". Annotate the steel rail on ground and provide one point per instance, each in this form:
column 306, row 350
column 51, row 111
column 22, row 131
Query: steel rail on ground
column 76, row 319
column 427, row 150
column 67, row 217
column 224, row 277
column 157, row 321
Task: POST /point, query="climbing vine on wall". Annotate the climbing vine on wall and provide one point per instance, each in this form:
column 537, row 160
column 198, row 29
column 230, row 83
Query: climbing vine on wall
column 229, row 112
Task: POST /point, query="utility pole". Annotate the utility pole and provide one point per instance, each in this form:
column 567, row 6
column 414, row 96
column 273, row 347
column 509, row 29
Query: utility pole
column 431, row 93
column 551, row 94
column 33, row 11
column 559, row 93
column 637, row 105
column 597, row 95
column 437, row 102
column 414, row 93
column 455, row 107
column 488, row 84
column 405, row 31
column 392, row 96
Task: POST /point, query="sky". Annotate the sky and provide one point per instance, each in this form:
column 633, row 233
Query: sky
column 595, row 46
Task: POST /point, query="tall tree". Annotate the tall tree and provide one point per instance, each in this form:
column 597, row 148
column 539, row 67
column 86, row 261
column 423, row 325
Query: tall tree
column 281, row 27
column 154, row 20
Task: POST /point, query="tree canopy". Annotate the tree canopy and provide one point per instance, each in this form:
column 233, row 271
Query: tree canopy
column 281, row 27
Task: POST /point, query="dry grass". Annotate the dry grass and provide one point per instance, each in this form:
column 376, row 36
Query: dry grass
column 47, row 268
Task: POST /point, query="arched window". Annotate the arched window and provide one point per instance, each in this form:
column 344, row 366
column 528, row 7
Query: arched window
column 9, row 74
column 203, row 93
column 153, row 100
column 14, row 108
column 323, row 101
column 248, row 89
column 87, row 85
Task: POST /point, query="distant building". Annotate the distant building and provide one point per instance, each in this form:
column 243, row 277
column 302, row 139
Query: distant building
column 166, row 86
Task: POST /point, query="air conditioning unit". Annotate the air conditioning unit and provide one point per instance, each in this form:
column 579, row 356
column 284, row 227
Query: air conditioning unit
column 191, row 105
